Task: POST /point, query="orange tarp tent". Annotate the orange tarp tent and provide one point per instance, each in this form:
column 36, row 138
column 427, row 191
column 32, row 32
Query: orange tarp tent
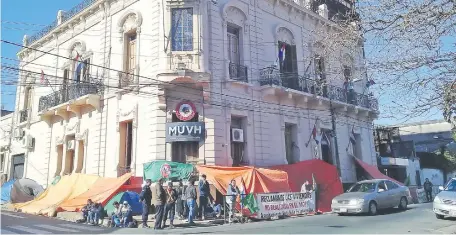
column 68, row 187
column 72, row 192
column 100, row 192
column 326, row 177
column 373, row 171
column 257, row 180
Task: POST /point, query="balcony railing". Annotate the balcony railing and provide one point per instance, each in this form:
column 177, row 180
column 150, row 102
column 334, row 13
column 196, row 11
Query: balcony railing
column 126, row 78
column 238, row 72
column 65, row 17
column 23, row 115
column 69, row 92
column 271, row 76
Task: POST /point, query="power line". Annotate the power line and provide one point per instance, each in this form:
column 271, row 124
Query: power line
column 280, row 109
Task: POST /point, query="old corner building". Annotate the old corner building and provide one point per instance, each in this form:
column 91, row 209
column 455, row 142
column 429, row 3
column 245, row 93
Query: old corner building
column 113, row 84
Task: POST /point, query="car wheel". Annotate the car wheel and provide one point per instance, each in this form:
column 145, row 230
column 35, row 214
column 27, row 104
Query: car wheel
column 439, row 216
column 341, row 214
column 372, row 208
column 403, row 203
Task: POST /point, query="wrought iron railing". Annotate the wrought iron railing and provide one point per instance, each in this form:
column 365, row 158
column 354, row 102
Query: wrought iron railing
column 126, row 78
column 23, row 115
column 67, row 93
column 271, row 76
column 238, row 72
column 65, row 17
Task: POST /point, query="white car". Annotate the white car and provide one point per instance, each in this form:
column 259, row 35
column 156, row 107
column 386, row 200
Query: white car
column 445, row 201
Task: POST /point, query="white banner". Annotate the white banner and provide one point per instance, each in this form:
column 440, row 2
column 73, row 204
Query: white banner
column 275, row 204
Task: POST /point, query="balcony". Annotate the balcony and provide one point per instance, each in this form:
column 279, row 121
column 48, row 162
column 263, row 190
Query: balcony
column 23, row 115
column 126, row 79
column 70, row 98
column 271, row 77
column 238, row 72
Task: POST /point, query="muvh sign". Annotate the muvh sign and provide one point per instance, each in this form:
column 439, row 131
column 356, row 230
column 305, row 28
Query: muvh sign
column 184, row 131
column 276, row 204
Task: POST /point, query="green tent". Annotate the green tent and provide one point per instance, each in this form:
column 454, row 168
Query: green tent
column 168, row 170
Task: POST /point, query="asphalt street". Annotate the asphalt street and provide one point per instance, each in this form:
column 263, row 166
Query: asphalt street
column 417, row 219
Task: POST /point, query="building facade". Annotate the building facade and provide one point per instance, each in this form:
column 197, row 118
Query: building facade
column 113, row 84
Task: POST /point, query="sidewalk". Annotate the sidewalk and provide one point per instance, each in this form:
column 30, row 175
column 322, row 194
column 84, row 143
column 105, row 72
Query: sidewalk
column 74, row 216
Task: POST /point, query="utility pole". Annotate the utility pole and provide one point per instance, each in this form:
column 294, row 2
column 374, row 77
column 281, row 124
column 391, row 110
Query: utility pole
column 333, row 120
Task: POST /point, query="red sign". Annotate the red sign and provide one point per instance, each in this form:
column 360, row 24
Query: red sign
column 185, row 110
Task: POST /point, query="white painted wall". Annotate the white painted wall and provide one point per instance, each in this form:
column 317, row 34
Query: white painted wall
column 434, row 175
column 267, row 110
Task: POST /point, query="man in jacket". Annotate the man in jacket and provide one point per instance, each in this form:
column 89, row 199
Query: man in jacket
column 170, row 207
column 232, row 193
column 204, row 193
column 428, row 189
column 190, row 195
column 159, row 204
column 180, row 200
column 146, row 200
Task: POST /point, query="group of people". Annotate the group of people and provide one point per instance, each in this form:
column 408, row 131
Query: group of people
column 181, row 200
column 92, row 212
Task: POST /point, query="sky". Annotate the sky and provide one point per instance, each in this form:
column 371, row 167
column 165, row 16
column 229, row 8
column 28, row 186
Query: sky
column 18, row 20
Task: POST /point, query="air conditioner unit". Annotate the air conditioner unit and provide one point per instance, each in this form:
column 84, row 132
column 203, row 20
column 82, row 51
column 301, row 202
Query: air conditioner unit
column 18, row 133
column 70, row 145
column 237, row 135
column 29, row 142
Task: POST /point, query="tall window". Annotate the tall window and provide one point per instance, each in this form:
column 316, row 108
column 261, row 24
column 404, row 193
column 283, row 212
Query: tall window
column 326, row 153
column 320, row 67
column 237, row 147
column 290, row 143
column 185, row 151
column 86, row 70
column 130, row 62
column 28, row 95
column 347, row 73
column 289, row 63
column 2, row 161
column 182, row 29
column 18, row 166
column 233, row 44
column 126, row 147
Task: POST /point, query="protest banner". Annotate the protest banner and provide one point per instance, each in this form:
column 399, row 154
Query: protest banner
column 277, row 204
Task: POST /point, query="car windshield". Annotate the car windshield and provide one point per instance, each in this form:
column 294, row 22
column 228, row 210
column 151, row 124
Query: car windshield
column 451, row 186
column 362, row 187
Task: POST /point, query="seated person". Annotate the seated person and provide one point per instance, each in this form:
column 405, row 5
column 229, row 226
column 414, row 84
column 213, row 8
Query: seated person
column 116, row 215
column 127, row 214
column 214, row 209
column 86, row 209
column 95, row 214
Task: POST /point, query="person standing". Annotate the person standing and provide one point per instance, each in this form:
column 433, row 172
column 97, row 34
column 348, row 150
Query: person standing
column 159, row 204
column 232, row 193
column 180, row 200
column 146, row 200
column 428, row 189
column 190, row 195
column 170, row 207
column 204, row 193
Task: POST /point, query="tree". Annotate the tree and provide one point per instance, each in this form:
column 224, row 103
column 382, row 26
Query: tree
column 411, row 52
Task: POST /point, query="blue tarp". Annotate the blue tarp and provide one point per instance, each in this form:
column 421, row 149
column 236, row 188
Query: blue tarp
column 6, row 191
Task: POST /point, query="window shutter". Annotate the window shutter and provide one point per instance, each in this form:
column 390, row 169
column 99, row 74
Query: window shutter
column 294, row 59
